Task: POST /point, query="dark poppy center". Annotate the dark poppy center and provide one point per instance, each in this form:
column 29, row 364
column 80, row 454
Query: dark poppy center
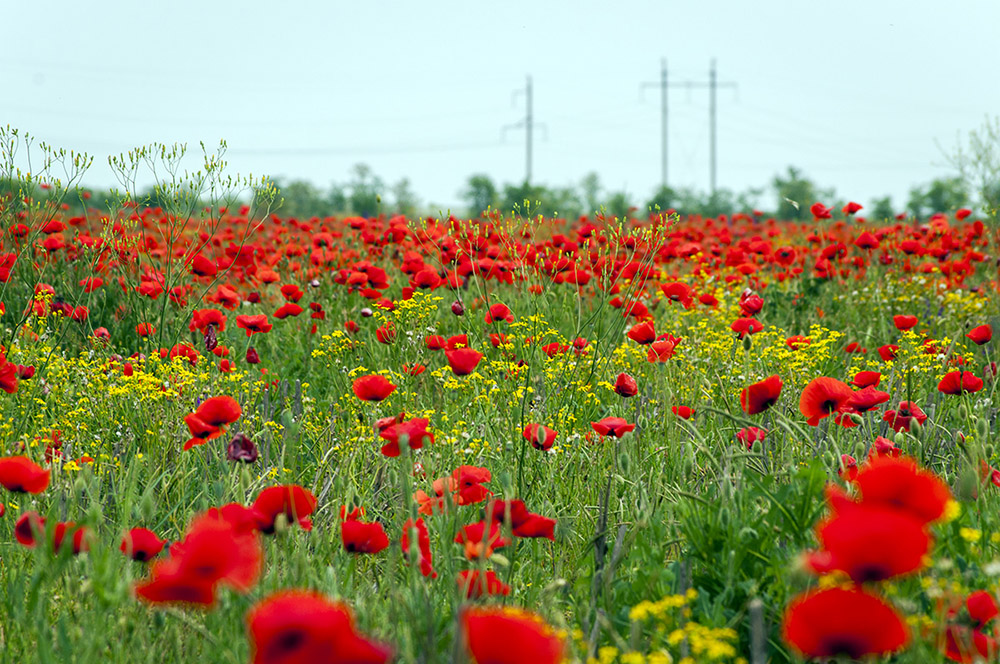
column 845, row 644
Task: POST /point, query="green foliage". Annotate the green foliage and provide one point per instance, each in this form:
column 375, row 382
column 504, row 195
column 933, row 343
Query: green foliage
column 796, row 193
column 940, row 195
column 479, row 194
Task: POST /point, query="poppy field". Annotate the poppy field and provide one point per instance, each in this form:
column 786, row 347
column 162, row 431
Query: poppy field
column 230, row 435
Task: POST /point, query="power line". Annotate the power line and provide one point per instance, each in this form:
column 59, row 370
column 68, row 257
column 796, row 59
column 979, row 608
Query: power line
column 712, row 84
column 528, row 123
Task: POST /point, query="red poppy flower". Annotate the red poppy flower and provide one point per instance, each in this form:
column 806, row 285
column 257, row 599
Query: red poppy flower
column 898, row 483
column 642, row 333
column 871, row 542
column 905, row 413
column 386, row 334
column 867, row 379
column 612, row 426
column 750, row 435
column 145, row 329
column 744, row 326
column 291, row 292
column 423, row 541
column 760, row 396
column 288, row 309
column 865, row 399
column 626, row 386
column 498, row 312
column 359, row 537
column 141, row 544
column 750, row 304
column 904, row 323
column 411, row 432
column 837, row 621
column 463, row 361
column 413, row 369
column 253, row 324
column 304, row 627
column 662, row 349
column 678, row 292
column 22, row 475
column 851, row 208
column 798, row 341
column 540, row 436
column 456, row 341
column 434, row 342
column 883, row 447
column 28, row 526
column 888, row 352
column 214, row 551
column 823, row 396
column 291, row 500
column 480, row 541
column 219, row 411
column 495, row 635
column 202, row 319
column 820, row 211
column 956, row 382
column 980, row 335
column 522, row 522
column 474, row 585
column 683, row 412
column 372, row 387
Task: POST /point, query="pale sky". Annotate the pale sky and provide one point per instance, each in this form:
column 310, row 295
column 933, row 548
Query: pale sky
column 857, row 94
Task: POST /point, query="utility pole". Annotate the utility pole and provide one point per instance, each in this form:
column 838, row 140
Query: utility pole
column 663, row 119
column 712, row 84
column 528, row 123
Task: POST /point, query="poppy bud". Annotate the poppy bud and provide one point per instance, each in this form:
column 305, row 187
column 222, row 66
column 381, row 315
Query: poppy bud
column 457, row 308
column 747, row 344
column 916, row 429
column 982, row 429
column 280, row 523
column 724, row 516
column 899, row 437
column 990, row 450
column 147, row 506
column 211, row 341
column 252, row 356
column 963, row 412
column 623, row 458
column 859, row 450
column 366, row 313
column 241, row 448
column 967, row 486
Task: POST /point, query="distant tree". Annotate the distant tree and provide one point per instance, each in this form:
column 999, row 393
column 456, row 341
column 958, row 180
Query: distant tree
column 723, row 201
column 663, row 199
column 564, row 202
column 590, row 192
column 749, row 200
column 366, row 191
column 796, row 193
column 978, row 164
column 301, row 199
column 479, row 193
column 882, row 209
column 404, row 199
column 515, row 197
column 940, row 195
column 618, row 205
column 336, row 199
